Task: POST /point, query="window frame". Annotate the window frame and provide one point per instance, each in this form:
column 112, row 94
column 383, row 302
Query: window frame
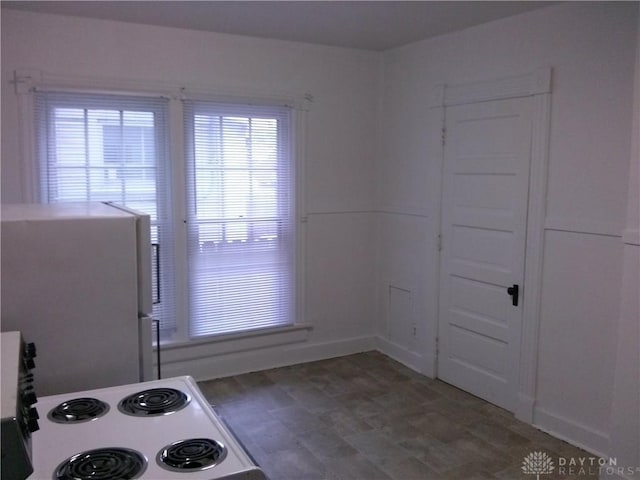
column 194, row 107
column 179, row 347
column 44, row 111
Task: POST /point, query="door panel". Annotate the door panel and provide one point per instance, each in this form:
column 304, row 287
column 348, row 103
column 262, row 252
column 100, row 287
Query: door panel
column 481, row 353
column 485, row 194
column 475, row 297
column 486, row 248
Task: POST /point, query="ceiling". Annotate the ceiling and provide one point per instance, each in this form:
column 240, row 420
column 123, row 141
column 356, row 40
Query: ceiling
column 371, row 25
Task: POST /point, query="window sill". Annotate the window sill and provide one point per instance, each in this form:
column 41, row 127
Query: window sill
column 234, row 342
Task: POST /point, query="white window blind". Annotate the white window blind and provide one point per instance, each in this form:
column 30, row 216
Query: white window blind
column 95, row 147
column 240, row 225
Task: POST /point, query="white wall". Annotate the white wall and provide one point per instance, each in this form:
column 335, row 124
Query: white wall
column 339, row 186
column 590, row 47
column 625, row 415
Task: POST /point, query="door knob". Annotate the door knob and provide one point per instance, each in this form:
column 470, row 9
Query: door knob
column 514, row 291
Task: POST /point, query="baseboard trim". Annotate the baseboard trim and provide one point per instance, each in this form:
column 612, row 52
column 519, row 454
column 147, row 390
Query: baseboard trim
column 582, row 436
column 410, row 359
column 525, row 408
column 236, row 363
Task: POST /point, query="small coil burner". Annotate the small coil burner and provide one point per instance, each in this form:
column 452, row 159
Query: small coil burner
column 102, row 464
column 155, row 401
column 191, row 455
column 78, row 410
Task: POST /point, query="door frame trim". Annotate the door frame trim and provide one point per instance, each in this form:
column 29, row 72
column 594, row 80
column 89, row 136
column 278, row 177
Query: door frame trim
column 538, row 85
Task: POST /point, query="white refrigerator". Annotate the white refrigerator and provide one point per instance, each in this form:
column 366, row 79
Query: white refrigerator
column 76, row 281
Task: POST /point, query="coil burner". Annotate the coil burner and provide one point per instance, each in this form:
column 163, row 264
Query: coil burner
column 191, row 455
column 78, row 410
column 155, row 401
column 102, row 464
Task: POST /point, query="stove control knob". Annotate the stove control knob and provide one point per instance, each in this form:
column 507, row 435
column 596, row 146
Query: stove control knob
column 29, row 397
column 32, row 425
column 29, row 354
column 26, row 383
column 31, row 420
column 30, row 350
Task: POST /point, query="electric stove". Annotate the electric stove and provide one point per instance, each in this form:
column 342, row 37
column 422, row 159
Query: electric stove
column 157, row 430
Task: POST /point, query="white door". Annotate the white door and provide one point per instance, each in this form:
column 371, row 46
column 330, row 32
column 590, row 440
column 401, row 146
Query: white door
column 485, row 194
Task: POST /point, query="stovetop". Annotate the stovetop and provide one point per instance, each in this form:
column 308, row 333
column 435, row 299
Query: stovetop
column 152, row 434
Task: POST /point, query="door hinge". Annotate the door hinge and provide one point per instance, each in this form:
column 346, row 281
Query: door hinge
column 440, row 242
column 437, row 345
column 443, row 136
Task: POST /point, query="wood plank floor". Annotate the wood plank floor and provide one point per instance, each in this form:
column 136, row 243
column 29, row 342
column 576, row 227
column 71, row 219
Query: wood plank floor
column 368, row 417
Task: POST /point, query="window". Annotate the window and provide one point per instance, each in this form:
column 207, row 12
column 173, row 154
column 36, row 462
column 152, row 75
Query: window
column 111, row 148
column 229, row 266
column 241, row 238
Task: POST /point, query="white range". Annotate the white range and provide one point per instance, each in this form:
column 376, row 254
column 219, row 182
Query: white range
column 159, row 430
